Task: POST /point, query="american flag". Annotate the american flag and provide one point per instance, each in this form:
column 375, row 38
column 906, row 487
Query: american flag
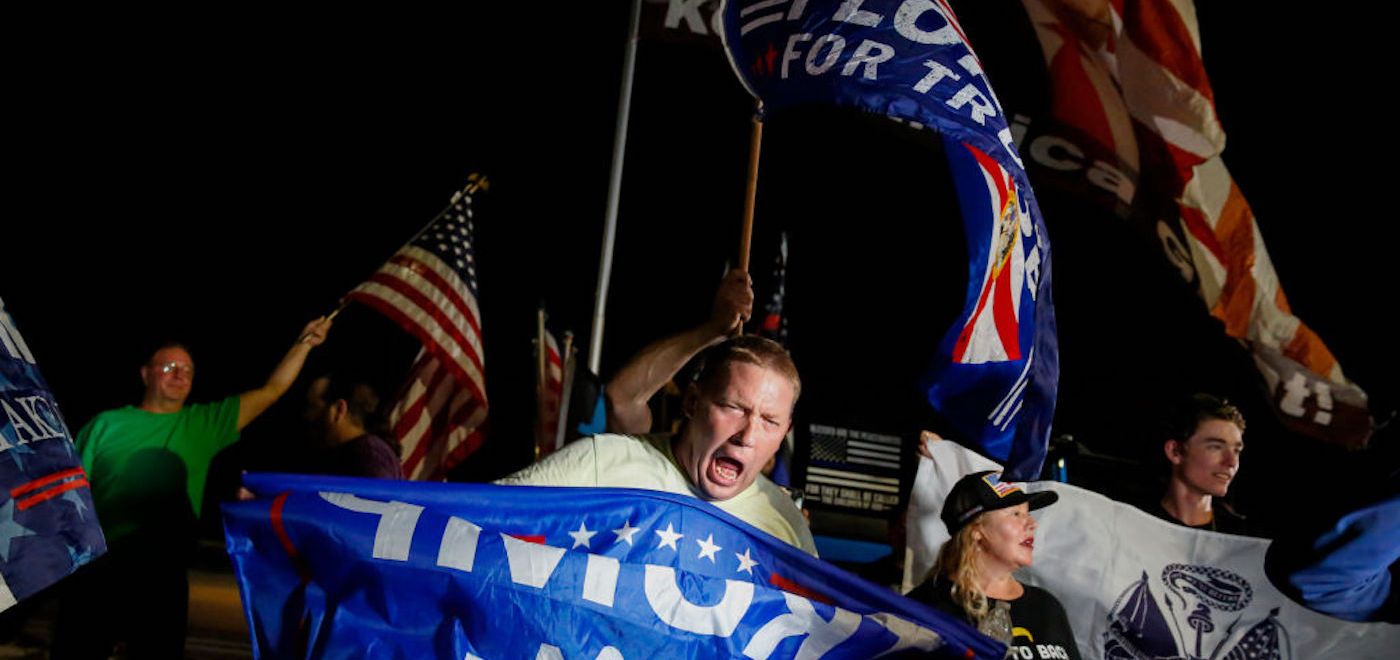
column 429, row 288
column 548, row 392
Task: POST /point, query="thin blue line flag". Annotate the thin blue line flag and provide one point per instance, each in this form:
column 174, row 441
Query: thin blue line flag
column 995, row 374
column 335, row 567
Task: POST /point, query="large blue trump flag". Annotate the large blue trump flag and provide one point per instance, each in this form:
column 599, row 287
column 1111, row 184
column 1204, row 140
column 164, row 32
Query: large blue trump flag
column 333, row 567
column 47, row 525
column 995, row 374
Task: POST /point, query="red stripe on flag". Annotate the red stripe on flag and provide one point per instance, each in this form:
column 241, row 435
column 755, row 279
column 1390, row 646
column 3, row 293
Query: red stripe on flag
column 443, row 423
column 1004, row 312
column 432, row 310
column 422, row 335
column 50, row 494
column 1158, row 30
column 965, row 337
column 459, row 453
column 795, row 588
column 280, row 529
column 426, row 272
column 953, row 21
column 417, row 408
column 1076, row 100
column 44, row 481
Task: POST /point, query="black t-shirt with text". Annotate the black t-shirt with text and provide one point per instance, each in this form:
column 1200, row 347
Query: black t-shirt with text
column 1039, row 627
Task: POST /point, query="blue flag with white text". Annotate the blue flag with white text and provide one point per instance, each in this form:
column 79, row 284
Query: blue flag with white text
column 995, row 374
column 333, row 567
column 47, row 524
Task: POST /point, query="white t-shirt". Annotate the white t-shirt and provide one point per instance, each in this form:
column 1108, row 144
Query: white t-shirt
column 625, row 461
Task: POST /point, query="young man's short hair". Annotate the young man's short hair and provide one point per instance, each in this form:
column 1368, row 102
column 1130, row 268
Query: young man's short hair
column 1187, row 415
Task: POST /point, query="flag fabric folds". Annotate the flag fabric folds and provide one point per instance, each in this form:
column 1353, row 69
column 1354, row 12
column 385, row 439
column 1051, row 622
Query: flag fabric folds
column 549, row 390
column 1135, row 586
column 339, row 567
column 1128, row 79
column 995, row 374
column 48, row 527
column 429, row 288
column 772, row 323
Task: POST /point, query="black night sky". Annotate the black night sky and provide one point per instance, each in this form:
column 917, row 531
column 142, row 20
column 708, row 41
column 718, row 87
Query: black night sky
column 225, row 180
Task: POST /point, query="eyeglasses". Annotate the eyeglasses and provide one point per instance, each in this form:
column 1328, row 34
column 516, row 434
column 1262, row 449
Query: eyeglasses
column 173, row 367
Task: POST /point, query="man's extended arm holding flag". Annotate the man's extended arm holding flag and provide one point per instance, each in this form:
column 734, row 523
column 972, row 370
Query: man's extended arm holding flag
column 647, row 372
column 255, row 401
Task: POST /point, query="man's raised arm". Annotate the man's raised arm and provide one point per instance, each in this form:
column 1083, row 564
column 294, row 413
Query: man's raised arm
column 253, row 402
column 647, row 372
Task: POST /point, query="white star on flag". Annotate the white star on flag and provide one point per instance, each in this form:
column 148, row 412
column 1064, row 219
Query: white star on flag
column 669, row 536
column 626, row 532
column 708, row 548
column 582, row 536
column 746, row 563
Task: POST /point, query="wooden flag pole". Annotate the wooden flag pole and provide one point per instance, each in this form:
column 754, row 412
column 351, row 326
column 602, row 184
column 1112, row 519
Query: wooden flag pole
column 755, row 144
column 338, row 310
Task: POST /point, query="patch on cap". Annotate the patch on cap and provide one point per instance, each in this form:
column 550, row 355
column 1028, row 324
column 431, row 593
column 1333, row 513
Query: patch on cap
column 994, row 482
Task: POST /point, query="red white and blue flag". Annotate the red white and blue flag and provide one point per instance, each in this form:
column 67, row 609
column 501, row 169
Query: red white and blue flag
column 995, row 374
column 48, row 527
column 429, row 288
column 340, row 567
column 1128, row 78
column 549, row 393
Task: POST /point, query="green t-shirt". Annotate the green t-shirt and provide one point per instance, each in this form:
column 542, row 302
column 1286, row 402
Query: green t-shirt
column 626, row 461
column 148, row 469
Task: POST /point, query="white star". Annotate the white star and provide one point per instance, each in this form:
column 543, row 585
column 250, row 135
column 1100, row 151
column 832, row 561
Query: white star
column 708, row 548
column 582, row 536
column 442, row 247
column 11, row 530
column 626, row 532
column 669, row 536
column 746, row 563
column 461, row 264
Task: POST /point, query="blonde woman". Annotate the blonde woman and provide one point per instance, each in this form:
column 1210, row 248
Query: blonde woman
column 993, row 535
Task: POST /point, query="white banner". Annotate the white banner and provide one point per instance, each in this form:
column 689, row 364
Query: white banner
column 1135, row 586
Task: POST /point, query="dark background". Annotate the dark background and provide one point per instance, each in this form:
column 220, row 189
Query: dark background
column 226, row 178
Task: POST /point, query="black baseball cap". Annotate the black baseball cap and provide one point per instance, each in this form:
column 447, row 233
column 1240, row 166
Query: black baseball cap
column 978, row 493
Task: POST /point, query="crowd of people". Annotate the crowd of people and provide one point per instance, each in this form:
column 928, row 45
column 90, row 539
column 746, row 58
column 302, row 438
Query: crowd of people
column 147, row 464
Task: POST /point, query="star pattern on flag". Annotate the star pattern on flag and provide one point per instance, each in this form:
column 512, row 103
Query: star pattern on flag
column 669, row 536
column 9, row 529
column 626, row 532
column 78, row 556
column 746, row 563
column 72, row 497
column 708, row 548
column 15, row 450
column 582, row 536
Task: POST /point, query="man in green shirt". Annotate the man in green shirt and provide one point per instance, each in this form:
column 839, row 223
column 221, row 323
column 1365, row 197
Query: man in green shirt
column 147, row 465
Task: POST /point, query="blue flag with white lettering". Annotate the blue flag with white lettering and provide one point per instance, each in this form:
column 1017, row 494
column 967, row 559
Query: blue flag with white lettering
column 995, row 374
column 47, row 524
column 333, row 567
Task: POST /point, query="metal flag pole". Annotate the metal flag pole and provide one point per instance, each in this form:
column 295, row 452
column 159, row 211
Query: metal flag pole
column 624, row 105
